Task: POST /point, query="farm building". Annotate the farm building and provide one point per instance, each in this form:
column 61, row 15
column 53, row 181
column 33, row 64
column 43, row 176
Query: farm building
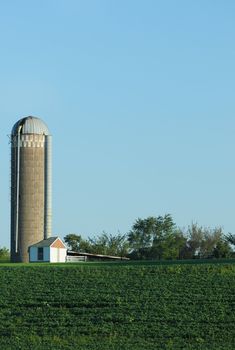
column 82, row 256
column 48, row 250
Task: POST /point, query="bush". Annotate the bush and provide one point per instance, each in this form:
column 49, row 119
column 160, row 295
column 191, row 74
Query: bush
column 4, row 254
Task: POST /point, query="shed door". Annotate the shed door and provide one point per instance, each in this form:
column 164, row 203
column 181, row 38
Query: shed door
column 58, row 254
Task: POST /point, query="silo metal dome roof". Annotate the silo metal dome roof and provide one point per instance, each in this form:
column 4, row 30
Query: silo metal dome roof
column 30, row 125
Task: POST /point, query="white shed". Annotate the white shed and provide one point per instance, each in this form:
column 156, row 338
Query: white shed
column 48, row 250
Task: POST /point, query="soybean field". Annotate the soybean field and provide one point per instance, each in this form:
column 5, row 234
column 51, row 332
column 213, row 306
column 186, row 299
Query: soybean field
column 117, row 306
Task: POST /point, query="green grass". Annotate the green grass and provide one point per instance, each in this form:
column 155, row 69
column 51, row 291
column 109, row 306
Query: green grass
column 118, row 305
column 4, row 261
column 124, row 263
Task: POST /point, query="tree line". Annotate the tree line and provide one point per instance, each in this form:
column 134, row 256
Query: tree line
column 158, row 238
column 155, row 238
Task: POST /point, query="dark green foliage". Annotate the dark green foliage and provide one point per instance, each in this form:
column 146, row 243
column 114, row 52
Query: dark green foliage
column 147, row 235
column 118, row 306
column 109, row 244
column 73, row 241
column 201, row 241
column 4, row 254
column 156, row 238
column 159, row 238
column 230, row 238
column 222, row 250
column 105, row 243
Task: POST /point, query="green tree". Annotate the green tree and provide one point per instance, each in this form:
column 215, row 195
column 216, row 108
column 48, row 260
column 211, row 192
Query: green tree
column 106, row 244
column 141, row 235
column 194, row 241
column 163, row 246
column 77, row 244
column 174, row 245
column 222, row 249
column 230, row 238
column 212, row 238
column 4, row 254
column 155, row 238
column 109, row 244
column 201, row 241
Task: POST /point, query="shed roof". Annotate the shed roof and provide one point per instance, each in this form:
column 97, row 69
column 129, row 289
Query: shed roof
column 46, row 242
column 102, row 256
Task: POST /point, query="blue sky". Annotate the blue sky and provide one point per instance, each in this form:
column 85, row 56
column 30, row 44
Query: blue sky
column 139, row 98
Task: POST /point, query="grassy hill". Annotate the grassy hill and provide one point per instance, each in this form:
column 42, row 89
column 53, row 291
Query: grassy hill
column 135, row 305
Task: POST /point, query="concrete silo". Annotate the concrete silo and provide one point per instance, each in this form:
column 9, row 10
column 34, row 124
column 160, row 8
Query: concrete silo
column 30, row 186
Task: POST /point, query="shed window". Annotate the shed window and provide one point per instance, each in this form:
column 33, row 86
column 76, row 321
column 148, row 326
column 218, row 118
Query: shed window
column 40, row 253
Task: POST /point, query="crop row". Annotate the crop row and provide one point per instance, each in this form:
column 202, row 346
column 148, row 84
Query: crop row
column 112, row 307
